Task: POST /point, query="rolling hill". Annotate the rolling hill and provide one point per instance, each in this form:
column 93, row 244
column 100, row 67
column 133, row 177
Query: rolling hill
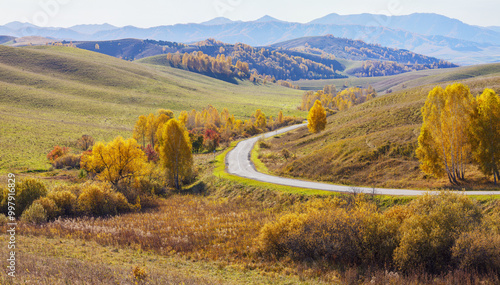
column 6, row 39
column 304, row 58
column 53, row 95
column 373, row 144
column 406, row 80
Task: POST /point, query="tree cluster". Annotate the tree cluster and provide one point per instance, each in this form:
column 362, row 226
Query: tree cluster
column 372, row 68
column 266, row 62
column 337, row 101
column 207, row 128
column 282, row 66
column 359, row 50
column 458, row 129
column 218, row 67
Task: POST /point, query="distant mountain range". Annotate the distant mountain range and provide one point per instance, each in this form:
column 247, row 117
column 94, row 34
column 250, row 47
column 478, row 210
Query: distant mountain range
column 429, row 34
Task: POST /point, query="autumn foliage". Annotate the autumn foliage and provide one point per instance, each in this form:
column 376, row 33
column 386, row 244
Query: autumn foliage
column 208, row 128
column 175, row 152
column 433, row 234
column 456, row 125
column 316, row 120
column 117, row 161
column 57, row 152
column 218, row 67
column 486, row 133
column 337, row 101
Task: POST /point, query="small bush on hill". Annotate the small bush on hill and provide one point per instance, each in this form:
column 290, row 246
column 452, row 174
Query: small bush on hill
column 65, row 201
column 429, row 234
column 49, row 206
column 99, row 199
column 68, row 160
column 477, row 251
column 57, row 152
column 85, row 142
column 35, row 214
column 27, row 191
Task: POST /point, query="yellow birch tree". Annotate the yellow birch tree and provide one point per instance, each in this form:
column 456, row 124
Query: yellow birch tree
column 444, row 141
column 316, row 120
column 175, row 152
column 140, row 130
column 486, row 133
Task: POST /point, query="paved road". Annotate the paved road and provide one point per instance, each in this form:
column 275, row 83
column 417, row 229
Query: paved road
column 238, row 163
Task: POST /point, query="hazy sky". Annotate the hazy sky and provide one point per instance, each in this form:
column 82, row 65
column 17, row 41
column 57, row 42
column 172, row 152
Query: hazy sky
column 148, row 13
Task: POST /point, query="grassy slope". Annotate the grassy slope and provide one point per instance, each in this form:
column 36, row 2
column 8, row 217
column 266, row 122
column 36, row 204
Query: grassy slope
column 409, row 80
column 372, row 144
column 53, row 95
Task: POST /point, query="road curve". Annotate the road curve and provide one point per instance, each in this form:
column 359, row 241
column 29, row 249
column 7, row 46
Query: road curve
column 238, row 163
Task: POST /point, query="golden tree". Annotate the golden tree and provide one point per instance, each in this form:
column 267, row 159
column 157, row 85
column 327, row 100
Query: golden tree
column 486, row 133
column 444, row 144
column 183, row 117
column 116, row 161
column 316, row 120
column 151, row 128
column 175, row 152
column 261, row 122
column 141, row 130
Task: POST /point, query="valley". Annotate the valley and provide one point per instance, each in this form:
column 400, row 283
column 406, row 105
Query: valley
column 251, row 152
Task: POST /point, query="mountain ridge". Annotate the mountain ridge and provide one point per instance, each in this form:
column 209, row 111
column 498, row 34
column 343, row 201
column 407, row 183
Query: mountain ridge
column 455, row 41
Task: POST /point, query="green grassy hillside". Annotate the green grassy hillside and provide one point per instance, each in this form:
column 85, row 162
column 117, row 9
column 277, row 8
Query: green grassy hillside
column 53, row 95
column 373, row 144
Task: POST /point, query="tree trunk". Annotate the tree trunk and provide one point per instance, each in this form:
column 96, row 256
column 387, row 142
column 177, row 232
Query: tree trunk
column 177, row 182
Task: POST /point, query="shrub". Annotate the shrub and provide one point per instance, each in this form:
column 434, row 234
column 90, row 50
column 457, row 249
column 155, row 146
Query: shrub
column 211, row 140
column 139, row 273
column 286, row 154
column 49, row 206
column 27, row 191
column 378, row 234
column 263, row 144
column 65, row 201
column 100, row 199
column 477, row 251
column 85, row 142
column 35, row 214
column 428, row 235
column 328, row 232
column 57, row 152
column 276, row 238
column 74, row 189
column 68, row 160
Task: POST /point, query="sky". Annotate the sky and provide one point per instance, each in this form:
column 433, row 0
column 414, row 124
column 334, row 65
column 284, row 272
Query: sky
column 150, row 13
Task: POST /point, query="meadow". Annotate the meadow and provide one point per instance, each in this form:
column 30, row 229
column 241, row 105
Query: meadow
column 222, row 229
column 53, row 95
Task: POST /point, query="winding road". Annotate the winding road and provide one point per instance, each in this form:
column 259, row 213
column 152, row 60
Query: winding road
column 238, row 163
